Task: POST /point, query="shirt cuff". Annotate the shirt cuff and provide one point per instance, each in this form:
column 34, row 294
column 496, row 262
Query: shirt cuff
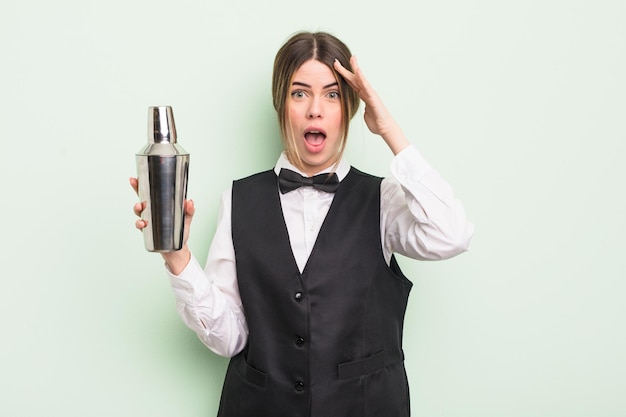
column 191, row 280
column 409, row 165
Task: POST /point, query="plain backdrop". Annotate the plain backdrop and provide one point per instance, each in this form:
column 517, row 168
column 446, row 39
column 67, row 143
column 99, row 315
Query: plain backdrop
column 519, row 104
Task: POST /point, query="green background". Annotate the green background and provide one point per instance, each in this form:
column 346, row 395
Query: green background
column 519, row 104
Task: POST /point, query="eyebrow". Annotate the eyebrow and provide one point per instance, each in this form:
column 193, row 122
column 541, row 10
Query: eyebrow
column 308, row 86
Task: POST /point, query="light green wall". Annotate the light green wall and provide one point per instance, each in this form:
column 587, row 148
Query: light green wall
column 520, row 105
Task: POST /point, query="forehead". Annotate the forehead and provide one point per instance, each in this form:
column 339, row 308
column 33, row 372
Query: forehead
column 314, row 72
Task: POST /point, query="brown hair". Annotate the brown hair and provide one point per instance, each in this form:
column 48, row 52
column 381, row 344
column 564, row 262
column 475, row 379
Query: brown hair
column 300, row 48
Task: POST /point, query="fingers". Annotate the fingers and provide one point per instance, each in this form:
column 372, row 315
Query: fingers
column 141, row 224
column 341, row 69
column 134, row 183
column 356, row 79
column 354, row 64
column 139, row 207
column 190, row 208
column 377, row 117
column 346, row 74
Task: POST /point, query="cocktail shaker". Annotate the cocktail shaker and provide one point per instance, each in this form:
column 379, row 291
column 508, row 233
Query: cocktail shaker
column 162, row 172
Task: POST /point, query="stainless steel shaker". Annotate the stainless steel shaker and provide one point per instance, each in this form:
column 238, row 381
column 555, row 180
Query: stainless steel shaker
column 162, row 172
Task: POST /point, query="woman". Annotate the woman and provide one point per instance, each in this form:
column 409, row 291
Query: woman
column 301, row 288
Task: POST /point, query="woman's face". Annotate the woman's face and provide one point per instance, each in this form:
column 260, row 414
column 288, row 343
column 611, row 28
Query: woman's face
column 314, row 116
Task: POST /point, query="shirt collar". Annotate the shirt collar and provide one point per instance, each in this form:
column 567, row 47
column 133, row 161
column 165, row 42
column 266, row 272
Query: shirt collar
column 342, row 168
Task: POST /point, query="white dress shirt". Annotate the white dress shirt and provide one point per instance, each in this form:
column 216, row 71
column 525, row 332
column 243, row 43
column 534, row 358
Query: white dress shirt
column 420, row 218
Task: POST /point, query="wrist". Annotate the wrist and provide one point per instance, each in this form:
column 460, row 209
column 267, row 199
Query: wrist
column 395, row 139
column 177, row 261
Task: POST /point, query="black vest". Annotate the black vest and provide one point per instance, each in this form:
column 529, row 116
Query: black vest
column 327, row 342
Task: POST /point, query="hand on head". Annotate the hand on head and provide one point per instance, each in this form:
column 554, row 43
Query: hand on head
column 377, row 118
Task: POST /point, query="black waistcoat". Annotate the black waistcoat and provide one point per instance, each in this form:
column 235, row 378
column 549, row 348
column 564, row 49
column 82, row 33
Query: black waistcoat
column 327, row 342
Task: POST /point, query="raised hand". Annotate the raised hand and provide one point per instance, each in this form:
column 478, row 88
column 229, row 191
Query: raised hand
column 377, row 118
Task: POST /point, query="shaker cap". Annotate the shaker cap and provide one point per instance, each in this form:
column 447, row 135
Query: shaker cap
column 161, row 127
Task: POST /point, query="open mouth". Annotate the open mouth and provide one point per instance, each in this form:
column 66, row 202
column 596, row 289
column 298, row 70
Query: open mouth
column 314, row 137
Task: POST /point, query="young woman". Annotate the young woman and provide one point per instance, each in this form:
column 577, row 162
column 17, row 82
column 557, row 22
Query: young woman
column 301, row 288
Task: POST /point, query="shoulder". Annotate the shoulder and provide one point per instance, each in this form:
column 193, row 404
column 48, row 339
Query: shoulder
column 357, row 172
column 253, row 187
column 254, row 178
column 362, row 176
column 361, row 183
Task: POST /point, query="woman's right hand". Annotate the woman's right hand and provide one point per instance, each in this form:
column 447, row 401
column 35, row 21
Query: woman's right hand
column 177, row 260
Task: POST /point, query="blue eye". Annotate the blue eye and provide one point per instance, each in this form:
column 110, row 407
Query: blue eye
column 333, row 94
column 297, row 94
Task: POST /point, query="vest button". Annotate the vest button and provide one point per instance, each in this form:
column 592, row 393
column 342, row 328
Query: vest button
column 299, row 386
column 299, row 341
column 298, row 296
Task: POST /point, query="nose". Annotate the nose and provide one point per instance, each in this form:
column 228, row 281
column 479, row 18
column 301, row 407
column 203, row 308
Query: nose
column 315, row 109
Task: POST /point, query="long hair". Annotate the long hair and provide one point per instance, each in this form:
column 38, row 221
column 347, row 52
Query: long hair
column 300, row 48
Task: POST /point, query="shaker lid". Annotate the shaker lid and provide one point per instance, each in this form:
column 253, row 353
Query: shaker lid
column 161, row 126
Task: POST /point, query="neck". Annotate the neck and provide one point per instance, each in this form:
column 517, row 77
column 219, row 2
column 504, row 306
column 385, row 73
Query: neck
column 310, row 170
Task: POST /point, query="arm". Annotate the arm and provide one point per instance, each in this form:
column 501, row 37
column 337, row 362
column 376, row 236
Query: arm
column 420, row 217
column 207, row 300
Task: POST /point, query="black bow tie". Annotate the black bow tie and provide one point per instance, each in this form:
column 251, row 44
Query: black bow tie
column 289, row 180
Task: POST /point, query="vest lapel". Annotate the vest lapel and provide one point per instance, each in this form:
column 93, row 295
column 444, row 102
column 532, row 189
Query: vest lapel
column 343, row 194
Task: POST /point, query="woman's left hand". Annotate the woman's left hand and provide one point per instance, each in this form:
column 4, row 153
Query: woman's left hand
column 377, row 118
